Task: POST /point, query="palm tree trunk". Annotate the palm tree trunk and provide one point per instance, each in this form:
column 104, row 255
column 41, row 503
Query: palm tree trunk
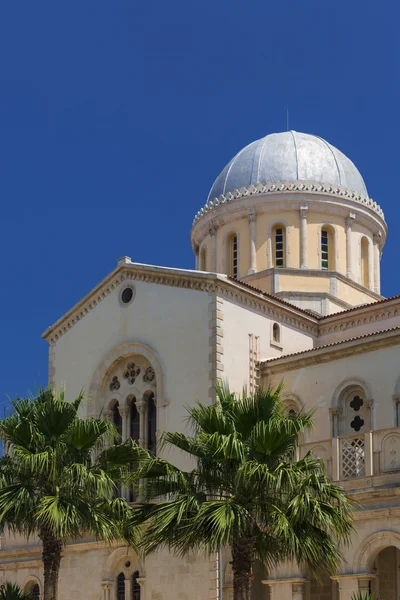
column 51, row 556
column 242, row 561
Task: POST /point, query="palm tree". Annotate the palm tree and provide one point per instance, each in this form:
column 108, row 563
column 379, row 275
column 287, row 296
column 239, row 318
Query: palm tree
column 11, row 591
column 58, row 477
column 247, row 491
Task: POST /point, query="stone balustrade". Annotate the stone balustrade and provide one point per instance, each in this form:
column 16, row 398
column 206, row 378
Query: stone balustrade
column 360, row 456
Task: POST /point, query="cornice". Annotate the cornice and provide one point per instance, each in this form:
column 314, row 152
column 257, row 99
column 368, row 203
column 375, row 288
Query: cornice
column 196, row 280
column 283, row 187
column 321, row 354
column 358, row 316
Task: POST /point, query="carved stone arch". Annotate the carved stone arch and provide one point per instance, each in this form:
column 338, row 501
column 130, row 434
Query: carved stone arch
column 368, row 551
column 119, row 354
column 293, row 401
column 116, row 560
column 334, row 230
column 270, row 227
column 348, row 383
column 227, row 235
column 29, row 582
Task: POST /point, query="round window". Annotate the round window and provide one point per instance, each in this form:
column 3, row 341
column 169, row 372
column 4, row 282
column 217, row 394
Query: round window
column 127, row 295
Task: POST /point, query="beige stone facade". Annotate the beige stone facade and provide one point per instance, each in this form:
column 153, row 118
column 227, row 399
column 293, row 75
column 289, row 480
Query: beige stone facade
column 286, row 287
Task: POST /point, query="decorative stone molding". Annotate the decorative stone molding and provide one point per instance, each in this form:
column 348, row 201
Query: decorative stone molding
column 215, row 342
column 369, row 342
column 285, row 187
column 220, row 284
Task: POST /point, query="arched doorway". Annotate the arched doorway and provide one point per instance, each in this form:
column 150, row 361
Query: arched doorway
column 386, row 568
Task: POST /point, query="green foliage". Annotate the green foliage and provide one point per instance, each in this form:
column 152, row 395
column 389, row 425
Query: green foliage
column 364, row 596
column 247, row 489
column 11, row 591
column 60, row 472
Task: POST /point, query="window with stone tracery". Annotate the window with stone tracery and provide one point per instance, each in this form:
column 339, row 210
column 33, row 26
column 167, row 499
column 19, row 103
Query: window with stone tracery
column 131, row 389
column 355, row 413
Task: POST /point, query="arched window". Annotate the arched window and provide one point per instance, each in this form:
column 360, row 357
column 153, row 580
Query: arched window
column 33, row 590
column 203, row 259
column 117, row 419
column 135, row 586
column 364, row 262
column 327, row 248
column 232, row 255
column 279, row 246
column 151, row 422
column 276, row 333
column 120, row 587
column 135, row 421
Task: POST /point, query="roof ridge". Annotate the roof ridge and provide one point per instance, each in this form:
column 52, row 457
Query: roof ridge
column 338, row 343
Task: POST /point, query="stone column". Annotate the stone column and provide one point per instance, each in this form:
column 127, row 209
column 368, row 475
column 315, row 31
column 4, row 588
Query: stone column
column 141, row 406
column 106, row 585
column 377, row 260
column 213, row 234
column 124, row 412
column 349, row 253
column 196, row 250
column 335, row 459
column 127, row 587
column 368, row 454
column 303, row 236
column 269, row 251
column 286, row 589
column 252, row 227
column 371, row 283
column 298, row 591
column 141, row 581
column 349, row 585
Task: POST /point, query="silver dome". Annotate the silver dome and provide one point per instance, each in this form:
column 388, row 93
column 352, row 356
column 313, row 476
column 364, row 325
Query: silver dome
column 288, row 156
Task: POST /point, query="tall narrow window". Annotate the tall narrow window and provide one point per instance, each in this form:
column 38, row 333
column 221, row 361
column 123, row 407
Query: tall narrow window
column 203, row 259
column 324, row 249
column 35, row 593
column 135, row 586
column 279, row 246
column 120, row 587
column 117, row 420
column 135, row 421
column 364, row 262
column 232, row 256
column 151, row 423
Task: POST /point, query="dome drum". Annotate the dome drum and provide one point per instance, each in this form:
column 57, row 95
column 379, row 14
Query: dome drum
column 292, row 201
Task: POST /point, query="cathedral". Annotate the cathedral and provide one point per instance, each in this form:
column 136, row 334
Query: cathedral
column 286, row 287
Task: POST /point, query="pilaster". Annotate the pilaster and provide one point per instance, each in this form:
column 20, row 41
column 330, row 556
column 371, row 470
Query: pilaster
column 252, row 236
column 349, row 251
column 377, row 260
column 213, row 235
column 303, row 236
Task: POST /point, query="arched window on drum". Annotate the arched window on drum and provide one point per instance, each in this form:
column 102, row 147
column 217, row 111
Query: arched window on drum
column 278, row 246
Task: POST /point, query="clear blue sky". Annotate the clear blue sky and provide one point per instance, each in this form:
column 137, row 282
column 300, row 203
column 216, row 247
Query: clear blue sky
column 115, row 118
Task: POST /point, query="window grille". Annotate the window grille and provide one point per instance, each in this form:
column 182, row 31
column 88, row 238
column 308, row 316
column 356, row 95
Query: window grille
column 279, row 247
column 324, row 249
